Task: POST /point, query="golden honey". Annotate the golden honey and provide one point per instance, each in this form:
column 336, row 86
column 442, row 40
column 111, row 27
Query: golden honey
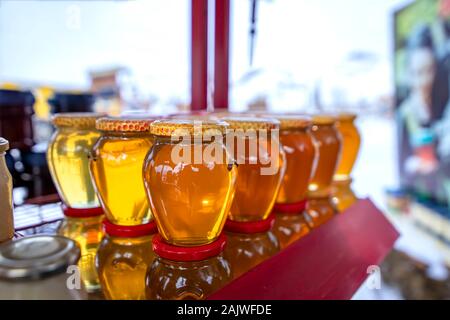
column 68, row 158
column 244, row 251
column 88, row 233
column 327, row 139
column 343, row 196
column 260, row 166
column 289, row 228
column 122, row 264
column 190, row 180
column 300, row 154
column 350, row 145
column 328, row 145
column 116, row 167
column 187, row 273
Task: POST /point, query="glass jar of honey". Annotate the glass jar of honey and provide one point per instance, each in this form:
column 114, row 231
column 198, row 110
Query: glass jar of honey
column 116, row 167
column 249, row 243
column 68, row 158
column 6, row 200
column 187, row 273
column 350, row 144
column 87, row 232
column 343, row 196
column 123, row 258
column 290, row 226
column 300, row 152
column 328, row 143
column 254, row 144
column 190, row 180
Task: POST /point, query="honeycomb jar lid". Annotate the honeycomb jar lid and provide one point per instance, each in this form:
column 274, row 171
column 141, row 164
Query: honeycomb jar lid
column 250, row 123
column 125, row 124
column 346, row 116
column 187, row 127
column 78, row 120
column 4, row 145
column 324, row 119
column 291, row 122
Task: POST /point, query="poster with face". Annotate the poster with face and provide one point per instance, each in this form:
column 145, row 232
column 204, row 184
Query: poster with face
column 422, row 70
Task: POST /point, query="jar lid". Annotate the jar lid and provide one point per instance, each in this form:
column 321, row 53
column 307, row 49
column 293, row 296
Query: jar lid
column 346, row 116
column 125, row 124
column 292, row 208
column 250, row 226
column 81, row 212
column 197, row 253
column 78, row 120
column 186, row 127
column 120, row 231
column 12, row 97
column 4, row 144
column 37, row 257
column 323, row 119
column 250, row 123
column 291, row 122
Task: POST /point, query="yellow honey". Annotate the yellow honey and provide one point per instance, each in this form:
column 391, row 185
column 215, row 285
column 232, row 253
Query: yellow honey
column 351, row 141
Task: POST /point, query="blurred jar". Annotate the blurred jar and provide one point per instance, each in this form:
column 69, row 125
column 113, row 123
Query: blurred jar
column 249, row 243
column 116, row 167
column 71, row 102
column 123, row 258
column 254, row 144
column 190, row 180
column 87, row 231
column 351, row 141
column 40, row 268
column 187, row 273
column 68, row 158
column 328, row 142
column 6, row 201
column 343, row 196
column 16, row 110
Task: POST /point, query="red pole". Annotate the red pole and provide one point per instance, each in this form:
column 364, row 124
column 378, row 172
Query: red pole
column 221, row 52
column 199, row 54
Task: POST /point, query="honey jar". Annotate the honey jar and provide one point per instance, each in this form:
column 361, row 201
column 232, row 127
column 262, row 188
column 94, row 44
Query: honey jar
column 328, row 142
column 87, row 232
column 343, row 196
column 116, row 167
column 190, row 180
column 187, row 273
column 290, row 227
column 6, row 199
column 350, row 145
column 68, row 158
column 249, row 243
column 123, row 258
column 254, row 144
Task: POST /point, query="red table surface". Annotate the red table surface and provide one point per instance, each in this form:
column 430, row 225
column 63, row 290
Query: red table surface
column 330, row 263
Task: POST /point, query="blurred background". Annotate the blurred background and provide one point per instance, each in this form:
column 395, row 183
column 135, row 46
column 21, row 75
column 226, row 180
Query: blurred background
column 386, row 60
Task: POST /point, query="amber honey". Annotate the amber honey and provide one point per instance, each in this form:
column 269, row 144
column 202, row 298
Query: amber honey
column 343, row 196
column 328, row 145
column 88, row 233
column 289, row 228
column 256, row 149
column 68, row 158
column 299, row 150
column 122, row 264
column 244, row 251
column 190, row 196
column 116, row 168
column 350, row 145
column 180, row 274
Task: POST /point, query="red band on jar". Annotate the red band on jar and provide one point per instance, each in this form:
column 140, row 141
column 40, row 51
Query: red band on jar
column 140, row 230
column 250, row 226
column 81, row 212
column 196, row 253
column 292, row 208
